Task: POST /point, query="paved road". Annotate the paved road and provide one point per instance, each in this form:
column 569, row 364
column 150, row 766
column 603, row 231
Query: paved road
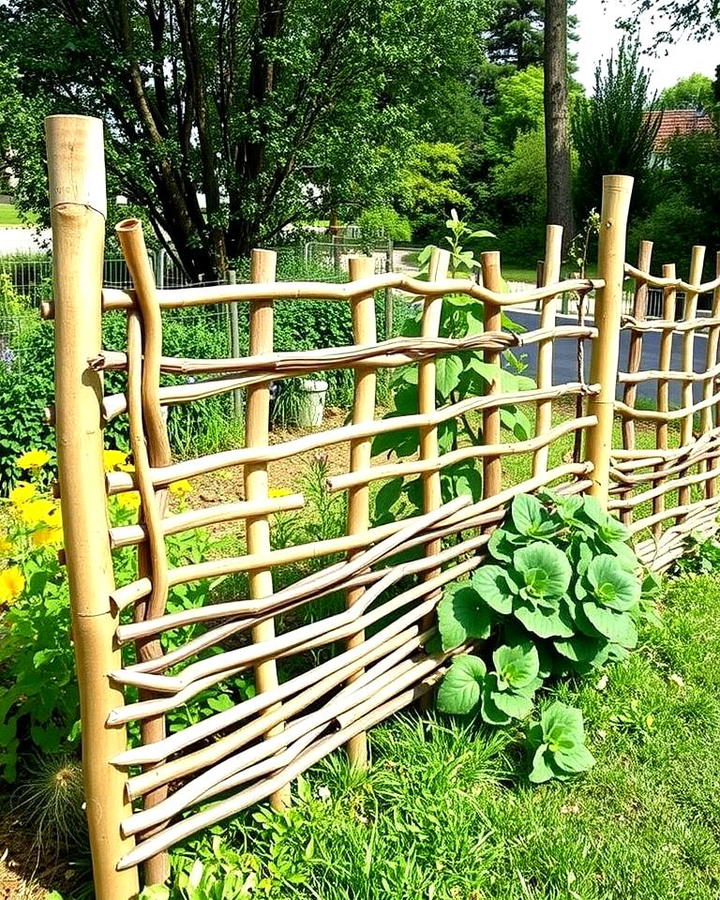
column 565, row 357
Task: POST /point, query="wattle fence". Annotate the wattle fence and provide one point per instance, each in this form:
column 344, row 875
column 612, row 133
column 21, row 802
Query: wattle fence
column 657, row 467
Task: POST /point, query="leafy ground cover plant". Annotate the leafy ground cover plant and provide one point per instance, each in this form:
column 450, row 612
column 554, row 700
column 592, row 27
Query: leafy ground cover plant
column 561, row 593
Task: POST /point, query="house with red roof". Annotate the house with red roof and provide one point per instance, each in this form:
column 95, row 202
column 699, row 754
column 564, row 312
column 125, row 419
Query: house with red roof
column 680, row 121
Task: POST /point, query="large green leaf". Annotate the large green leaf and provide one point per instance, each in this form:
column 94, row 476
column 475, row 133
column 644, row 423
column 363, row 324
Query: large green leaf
column 503, row 543
column 517, row 665
column 490, row 711
column 494, row 588
column 617, row 627
column 462, row 615
column 544, row 623
column 514, row 419
column 612, row 585
column 542, row 769
column 463, row 478
column 517, row 706
column 574, row 759
column 460, row 690
column 611, row 529
column 386, row 498
column 580, row 647
column 545, row 569
column 625, row 555
column 562, row 726
column 404, row 442
column 448, row 370
column 527, row 514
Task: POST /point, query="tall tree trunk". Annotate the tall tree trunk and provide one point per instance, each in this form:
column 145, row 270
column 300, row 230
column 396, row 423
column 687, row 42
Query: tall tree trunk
column 557, row 131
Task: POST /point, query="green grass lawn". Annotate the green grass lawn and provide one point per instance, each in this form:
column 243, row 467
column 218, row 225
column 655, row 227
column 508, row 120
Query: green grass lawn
column 446, row 812
column 9, row 215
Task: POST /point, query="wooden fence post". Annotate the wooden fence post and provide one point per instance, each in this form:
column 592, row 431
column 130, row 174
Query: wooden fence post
column 263, row 265
column 492, row 465
column 76, row 171
column 617, row 190
column 358, row 516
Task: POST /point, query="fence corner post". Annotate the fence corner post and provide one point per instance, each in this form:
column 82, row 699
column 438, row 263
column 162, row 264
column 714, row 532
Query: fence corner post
column 617, row 190
column 76, row 169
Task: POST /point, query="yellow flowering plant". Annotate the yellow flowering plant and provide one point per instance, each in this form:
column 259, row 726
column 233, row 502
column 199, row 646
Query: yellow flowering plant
column 39, row 710
column 39, row 702
column 37, row 680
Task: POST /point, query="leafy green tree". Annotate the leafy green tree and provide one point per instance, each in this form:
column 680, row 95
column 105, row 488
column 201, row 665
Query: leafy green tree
column 271, row 112
column 519, row 107
column 520, row 182
column 516, row 33
column 693, row 92
column 612, row 131
column 427, row 189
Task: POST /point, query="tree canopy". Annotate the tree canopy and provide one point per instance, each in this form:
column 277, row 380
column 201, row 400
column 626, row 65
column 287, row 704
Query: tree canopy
column 698, row 17
column 694, row 92
column 226, row 121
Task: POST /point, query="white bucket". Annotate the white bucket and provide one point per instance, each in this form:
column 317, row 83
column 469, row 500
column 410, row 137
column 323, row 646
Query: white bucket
column 312, row 408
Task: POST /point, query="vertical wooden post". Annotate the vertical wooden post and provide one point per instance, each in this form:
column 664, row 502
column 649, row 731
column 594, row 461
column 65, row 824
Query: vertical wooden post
column 150, row 447
column 234, row 326
column 389, row 293
column 257, row 431
column 427, row 386
column 358, row 513
column 617, row 190
column 76, row 170
column 492, row 465
column 550, row 275
column 663, row 388
column 697, row 260
column 709, row 385
column 639, row 311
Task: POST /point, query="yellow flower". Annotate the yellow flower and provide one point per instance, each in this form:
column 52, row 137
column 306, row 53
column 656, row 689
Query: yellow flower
column 12, row 584
column 113, row 459
column 33, row 459
column 40, row 511
column 45, row 536
column 181, row 488
column 5, row 543
column 279, row 492
column 129, row 500
column 21, row 493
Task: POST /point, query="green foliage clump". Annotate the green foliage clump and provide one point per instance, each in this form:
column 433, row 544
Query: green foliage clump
column 559, row 739
column 385, row 222
column 693, row 92
column 612, row 131
column 562, row 594
column 427, row 186
column 673, row 225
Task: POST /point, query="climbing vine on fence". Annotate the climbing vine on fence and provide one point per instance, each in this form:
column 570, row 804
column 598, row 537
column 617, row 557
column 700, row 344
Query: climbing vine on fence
column 458, row 376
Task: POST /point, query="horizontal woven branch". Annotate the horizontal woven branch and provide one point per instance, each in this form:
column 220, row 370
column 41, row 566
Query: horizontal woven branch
column 118, row 482
column 136, row 590
column 316, row 290
column 129, row 535
column 274, row 367
column 670, row 283
column 656, row 415
column 631, row 324
column 296, row 762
